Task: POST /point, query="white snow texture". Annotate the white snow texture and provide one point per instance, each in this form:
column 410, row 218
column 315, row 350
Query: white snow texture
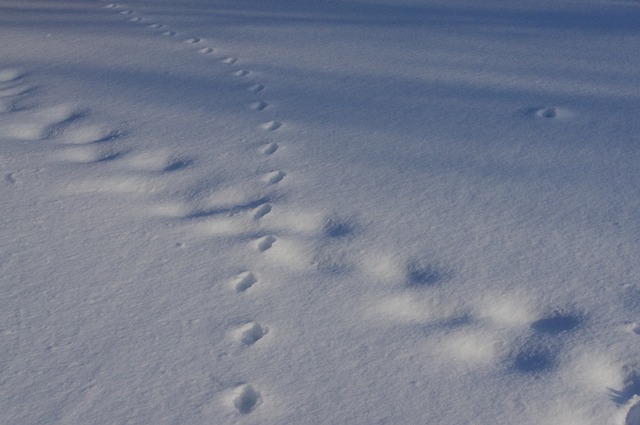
column 320, row 212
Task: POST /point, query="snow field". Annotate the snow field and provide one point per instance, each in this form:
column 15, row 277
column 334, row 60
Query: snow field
column 265, row 274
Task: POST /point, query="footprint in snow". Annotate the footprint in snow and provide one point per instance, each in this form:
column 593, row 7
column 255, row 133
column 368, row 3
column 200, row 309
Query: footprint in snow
column 258, row 106
column 176, row 164
column 169, row 33
column 550, row 112
column 244, row 281
column 420, row 275
column 261, row 211
column 539, row 354
column 265, row 243
column 547, row 113
column 271, row 125
column 193, row 40
column 251, row 333
column 136, row 19
column 241, row 73
column 256, row 88
column 206, row 50
column 270, row 148
column 336, row 227
column 11, row 178
column 156, row 26
column 127, row 12
column 534, row 359
column 246, row 398
column 558, row 323
column 274, row 177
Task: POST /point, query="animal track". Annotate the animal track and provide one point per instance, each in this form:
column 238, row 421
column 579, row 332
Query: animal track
column 261, row 211
column 177, row 164
column 557, row 323
column 271, row 125
column 270, row 148
column 338, row 228
column 246, row 398
column 244, row 281
column 265, row 243
column 534, row 359
column 251, row 333
column 550, row 112
column 111, row 6
column 274, row 177
column 420, row 275
column 539, row 354
column 10, row 178
column 259, row 105
column 547, row 113
column 228, row 203
column 256, row 88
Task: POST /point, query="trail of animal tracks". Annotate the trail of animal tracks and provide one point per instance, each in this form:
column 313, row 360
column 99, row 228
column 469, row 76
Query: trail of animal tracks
column 269, row 212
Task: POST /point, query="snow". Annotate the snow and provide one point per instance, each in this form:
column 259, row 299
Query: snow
column 302, row 212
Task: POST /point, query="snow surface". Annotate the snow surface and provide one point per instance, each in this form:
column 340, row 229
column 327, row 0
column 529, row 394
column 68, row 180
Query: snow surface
column 320, row 212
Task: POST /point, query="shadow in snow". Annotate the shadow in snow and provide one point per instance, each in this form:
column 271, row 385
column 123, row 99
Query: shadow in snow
column 557, row 323
column 420, row 275
column 533, row 359
column 631, row 388
column 336, row 227
column 490, row 15
column 229, row 210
